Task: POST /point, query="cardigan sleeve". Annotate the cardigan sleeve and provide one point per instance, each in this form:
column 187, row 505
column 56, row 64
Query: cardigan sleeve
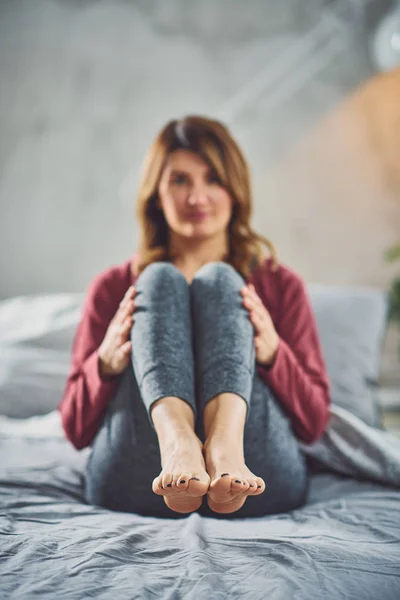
column 298, row 374
column 86, row 393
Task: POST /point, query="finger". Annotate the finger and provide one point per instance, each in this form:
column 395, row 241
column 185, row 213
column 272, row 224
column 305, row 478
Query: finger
column 123, row 333
column 251, row 306
column 249, row 292
column 124, row 311
column 249, row 298
column 259, row 306
column 250, row 302
column 129, row 307
column 128, row 295
column 255, row 295
column 245, row 290
column 248, row 288
column 125, row 348
column 257, row 319
column 121, row 312
column 261, row 315
column 253, row 292
column 127, row 324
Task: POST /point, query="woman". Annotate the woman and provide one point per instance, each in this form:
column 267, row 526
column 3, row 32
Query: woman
column 196, row 365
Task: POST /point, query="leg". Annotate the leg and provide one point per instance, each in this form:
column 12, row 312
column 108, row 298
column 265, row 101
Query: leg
column 152, row 417
column 242, row 419
column 271, row 451
column 125, row 456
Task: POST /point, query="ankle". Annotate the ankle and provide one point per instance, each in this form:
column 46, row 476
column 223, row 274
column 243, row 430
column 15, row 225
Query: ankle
column 224, row 416
column 172, row 416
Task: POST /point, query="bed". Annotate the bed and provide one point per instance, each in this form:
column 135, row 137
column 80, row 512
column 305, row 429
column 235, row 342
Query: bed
column 343, row 543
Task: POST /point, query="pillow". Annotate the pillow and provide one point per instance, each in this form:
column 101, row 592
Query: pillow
column 47, row 320
column 351, row 322
column 36, row 335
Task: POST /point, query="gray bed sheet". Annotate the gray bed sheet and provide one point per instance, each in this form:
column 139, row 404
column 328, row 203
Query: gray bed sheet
column 344, row 543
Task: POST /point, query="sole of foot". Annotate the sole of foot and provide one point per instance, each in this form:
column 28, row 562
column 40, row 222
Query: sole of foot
column 227, row 493
column 183, row 480
column 183, row 494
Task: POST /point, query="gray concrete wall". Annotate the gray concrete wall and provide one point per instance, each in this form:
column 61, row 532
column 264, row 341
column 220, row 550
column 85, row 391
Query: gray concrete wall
column 85, row 86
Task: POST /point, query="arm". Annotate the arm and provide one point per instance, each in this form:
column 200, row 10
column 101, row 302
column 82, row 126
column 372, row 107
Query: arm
column 87, row 393
column 297, row 374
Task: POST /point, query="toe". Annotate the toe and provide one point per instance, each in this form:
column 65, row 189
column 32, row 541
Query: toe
column 182, row 482
column 252, row 486
column 245, row 485
column 221, row 485
column 260, row 486
column 239, row 485
column 157, row 486
column 167, row 481
column 197, row 486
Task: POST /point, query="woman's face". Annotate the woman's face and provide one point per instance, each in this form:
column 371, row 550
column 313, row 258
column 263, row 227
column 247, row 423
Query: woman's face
column 194, row 202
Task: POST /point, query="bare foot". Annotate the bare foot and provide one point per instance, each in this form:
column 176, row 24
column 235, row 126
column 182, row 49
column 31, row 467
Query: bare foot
column 231, row 481
column 183, row 479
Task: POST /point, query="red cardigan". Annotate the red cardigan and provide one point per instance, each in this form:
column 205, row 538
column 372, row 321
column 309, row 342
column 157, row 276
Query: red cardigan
column 298, row 376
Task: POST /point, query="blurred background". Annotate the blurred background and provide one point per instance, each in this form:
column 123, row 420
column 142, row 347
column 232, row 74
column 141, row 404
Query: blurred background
column 309, row 88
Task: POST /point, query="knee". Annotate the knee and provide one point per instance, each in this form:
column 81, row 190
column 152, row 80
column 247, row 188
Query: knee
column 160, row 273
column 160, row 269
column 218, row 273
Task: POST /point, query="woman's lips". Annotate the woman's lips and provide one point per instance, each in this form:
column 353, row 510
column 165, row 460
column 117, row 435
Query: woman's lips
column 198, row 216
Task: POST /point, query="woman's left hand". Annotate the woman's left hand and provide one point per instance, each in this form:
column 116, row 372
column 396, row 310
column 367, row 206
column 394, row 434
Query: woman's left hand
column 266, row 339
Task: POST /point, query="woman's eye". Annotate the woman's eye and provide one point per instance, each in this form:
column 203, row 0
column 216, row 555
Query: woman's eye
column 213, row 178
column 179, row 179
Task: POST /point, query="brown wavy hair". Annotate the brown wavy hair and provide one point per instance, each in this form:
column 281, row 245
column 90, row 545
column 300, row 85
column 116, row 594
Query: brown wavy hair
column 212, row 141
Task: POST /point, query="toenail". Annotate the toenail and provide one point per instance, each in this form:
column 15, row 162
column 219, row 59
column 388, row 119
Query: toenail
column 169, row 484
column 223, row 474
column 237, row 481
column 183, row 480
column 259, row 486
column 195, row 478
column 251, row 485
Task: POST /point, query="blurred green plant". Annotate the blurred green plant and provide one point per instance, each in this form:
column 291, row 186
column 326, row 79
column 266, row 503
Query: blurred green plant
column 391, row 255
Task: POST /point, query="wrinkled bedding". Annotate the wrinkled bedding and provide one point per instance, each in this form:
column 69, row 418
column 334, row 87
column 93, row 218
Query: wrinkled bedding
column 344, row 543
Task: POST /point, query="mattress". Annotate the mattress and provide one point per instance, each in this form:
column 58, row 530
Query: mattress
column 343, row 543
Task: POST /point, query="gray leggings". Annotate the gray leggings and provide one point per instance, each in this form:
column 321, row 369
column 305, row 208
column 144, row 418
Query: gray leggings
column 175, row 322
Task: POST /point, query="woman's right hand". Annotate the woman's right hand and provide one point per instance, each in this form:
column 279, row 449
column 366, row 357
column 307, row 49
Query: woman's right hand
column 115, row 350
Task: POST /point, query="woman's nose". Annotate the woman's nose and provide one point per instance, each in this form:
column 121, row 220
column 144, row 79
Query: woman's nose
column 198, row 194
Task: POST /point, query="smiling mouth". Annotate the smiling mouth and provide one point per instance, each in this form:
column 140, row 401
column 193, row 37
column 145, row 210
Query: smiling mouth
column 197, row 216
